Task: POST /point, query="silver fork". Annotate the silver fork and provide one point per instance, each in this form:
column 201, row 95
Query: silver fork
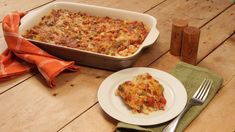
column 198, row 99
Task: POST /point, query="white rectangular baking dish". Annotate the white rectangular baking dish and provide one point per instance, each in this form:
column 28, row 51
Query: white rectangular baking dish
column 86, row 57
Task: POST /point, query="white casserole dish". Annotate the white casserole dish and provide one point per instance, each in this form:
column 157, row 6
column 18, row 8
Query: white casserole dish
column 86, row 57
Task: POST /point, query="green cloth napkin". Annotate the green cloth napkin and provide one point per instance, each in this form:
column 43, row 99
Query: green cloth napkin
column 191, row 77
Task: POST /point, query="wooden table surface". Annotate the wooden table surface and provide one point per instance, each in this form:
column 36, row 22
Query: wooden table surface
column 27, row 104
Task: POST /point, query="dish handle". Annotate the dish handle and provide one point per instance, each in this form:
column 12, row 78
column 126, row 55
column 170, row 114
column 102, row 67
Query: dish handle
column 153, row 35
column 32, row 12
column 36, row 13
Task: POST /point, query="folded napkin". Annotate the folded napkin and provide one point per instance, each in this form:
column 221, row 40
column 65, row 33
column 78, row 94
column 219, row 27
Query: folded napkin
column 21, row 55
column 191, row 77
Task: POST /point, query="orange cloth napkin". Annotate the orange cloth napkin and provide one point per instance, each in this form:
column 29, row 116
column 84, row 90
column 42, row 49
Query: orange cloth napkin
column 19, row 49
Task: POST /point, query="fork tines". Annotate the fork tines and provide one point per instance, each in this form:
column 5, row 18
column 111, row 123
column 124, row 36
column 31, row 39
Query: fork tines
column 203, row 90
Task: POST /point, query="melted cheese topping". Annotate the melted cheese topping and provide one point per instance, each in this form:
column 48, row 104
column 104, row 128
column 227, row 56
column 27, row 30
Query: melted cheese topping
column 103, row 35
column 143, row 94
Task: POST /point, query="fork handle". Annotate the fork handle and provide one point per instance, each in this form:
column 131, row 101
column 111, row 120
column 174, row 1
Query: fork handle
column 172, row 126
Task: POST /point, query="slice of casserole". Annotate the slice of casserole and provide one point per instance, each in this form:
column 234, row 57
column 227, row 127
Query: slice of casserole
column 143, row 94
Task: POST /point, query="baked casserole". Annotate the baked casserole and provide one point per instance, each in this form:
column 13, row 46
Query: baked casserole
column 105, row 35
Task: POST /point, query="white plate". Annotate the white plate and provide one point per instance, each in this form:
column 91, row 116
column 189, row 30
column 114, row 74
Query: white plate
column 174, row 93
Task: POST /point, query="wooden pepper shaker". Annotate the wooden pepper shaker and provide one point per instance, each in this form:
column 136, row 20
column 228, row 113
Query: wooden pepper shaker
column 190, row 43
column 178, row 26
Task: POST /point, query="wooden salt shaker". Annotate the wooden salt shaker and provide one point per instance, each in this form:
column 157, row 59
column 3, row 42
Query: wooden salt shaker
column 178, row 26
column 190, row 43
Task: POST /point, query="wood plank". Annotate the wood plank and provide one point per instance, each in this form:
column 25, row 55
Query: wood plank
column 32, row 106
column 14, row 5
column 197, row 13
column 91, row 118
column 219, row 29
column 222, row 60
column 132, row 5
column 6, row 85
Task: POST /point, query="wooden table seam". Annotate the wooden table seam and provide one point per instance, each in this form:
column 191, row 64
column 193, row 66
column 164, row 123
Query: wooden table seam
column 217, row 15
column 77, row 116
column 16, row 84
column 216, row 47
column 154, row 6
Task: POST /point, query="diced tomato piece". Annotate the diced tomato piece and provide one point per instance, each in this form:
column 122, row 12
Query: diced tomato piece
column 150, row 101
column 128, row 97
column 149, row 76
column 163, row 100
